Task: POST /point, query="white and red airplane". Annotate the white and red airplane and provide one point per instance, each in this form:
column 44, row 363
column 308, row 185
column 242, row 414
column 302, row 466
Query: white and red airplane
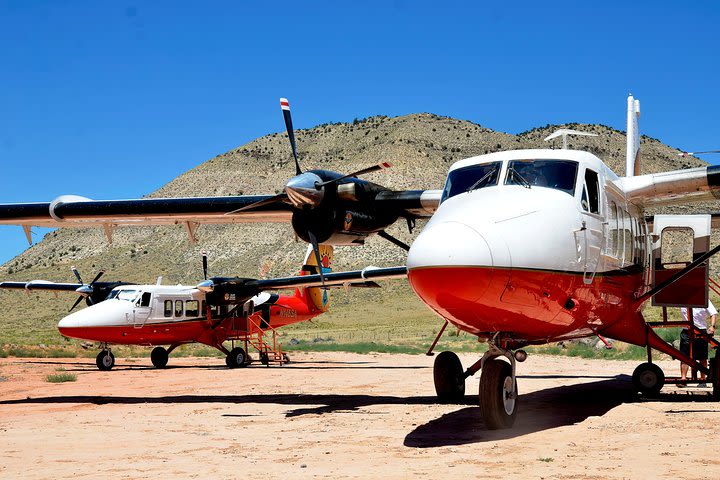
column 213, row 312
column 524, row 247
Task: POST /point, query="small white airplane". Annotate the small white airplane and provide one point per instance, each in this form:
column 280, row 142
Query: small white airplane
column 524, row 247
column 212, row 312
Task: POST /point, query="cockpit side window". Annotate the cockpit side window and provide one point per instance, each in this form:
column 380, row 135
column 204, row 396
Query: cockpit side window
column 590, row 200
column 145, row 299
column 471, row 178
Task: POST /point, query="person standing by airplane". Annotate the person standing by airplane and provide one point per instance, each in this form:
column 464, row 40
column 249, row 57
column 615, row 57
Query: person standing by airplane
column 700, row 346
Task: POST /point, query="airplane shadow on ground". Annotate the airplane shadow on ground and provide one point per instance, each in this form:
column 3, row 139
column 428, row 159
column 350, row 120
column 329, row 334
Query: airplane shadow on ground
column 539, row 410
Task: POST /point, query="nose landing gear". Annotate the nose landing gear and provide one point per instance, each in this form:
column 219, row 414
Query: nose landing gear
column 498, row 393
column 105, row 360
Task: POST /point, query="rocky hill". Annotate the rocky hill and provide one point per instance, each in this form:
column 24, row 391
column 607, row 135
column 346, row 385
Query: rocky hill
column 421, row 147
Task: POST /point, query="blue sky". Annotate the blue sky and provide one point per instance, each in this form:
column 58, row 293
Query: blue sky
column 111, row 100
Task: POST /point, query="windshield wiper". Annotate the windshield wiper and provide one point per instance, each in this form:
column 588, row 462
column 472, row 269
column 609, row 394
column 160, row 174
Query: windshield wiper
column 516, row 176
column 481, row 183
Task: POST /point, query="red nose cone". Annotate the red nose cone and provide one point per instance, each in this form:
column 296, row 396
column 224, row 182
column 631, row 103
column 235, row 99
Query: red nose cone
column 464, row 295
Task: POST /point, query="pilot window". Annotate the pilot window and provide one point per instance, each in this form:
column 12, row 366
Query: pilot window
column 145, row 299
column 590, row 201
column 191, row 308
column 178, row 308
column 168, row 308
column 471, row 178
column 555, row 174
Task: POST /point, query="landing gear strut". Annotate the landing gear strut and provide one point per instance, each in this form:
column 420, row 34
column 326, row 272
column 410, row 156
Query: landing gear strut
column 105, row 359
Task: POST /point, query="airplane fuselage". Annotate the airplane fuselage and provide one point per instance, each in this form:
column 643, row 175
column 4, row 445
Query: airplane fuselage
column 537, row 245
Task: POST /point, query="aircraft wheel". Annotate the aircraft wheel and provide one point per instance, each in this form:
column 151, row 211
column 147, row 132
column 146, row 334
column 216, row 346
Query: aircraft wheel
column 498, row 395
column 449, row 377
column 236, row 358
column 159, row 357
column 648, row 378
column 715, row 372
column 105, row 360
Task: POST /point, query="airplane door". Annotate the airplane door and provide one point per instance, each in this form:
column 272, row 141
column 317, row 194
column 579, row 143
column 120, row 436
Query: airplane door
column 589, row 239
column 142, row 310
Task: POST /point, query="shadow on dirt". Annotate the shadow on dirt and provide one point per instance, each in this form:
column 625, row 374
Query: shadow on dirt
column 539, row 410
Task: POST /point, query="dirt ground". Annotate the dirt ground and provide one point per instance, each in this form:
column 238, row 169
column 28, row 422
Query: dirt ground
column 344, row 416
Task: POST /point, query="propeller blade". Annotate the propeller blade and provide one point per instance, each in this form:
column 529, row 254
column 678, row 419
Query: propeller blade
column 204, row 265
column 76, row 303
column 280, row 197
column 285, row 106
column 77, row 274
column 316, row 249
column 97, row 277
column 374, row 168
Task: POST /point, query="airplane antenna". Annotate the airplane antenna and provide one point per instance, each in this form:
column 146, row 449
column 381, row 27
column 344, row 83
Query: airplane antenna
column 564, row 132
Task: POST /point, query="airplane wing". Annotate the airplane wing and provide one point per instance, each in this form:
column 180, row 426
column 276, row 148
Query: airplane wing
column 76, row 211
column 240, row 289
column 674, row 187
column 55, row 286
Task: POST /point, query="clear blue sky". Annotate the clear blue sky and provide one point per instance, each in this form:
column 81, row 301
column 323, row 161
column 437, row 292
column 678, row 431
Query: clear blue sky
column 111, row 100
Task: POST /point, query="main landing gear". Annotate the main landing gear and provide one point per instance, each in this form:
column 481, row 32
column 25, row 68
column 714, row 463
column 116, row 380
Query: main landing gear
column 237, row 357
column 498, row 394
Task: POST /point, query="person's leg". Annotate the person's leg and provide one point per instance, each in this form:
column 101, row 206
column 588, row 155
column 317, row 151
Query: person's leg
column 684, row 348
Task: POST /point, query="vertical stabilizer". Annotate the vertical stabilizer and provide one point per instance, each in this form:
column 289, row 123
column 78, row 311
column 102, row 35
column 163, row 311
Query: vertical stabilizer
column 632, row 160
column 318, row 298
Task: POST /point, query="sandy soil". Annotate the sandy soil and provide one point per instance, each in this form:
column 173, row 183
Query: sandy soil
column 343, row 415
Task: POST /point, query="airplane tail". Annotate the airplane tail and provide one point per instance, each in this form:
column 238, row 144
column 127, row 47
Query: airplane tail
column 317, row 298
column 632, row 160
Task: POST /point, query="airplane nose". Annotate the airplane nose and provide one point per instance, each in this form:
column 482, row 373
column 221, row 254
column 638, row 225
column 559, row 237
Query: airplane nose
column 450, row 244
column 452, row 267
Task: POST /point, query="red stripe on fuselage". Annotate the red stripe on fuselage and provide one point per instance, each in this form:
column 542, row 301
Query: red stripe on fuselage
column 530, row 305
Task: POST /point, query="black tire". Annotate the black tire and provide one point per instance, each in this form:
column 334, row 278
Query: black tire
column 159, row 357
column 648, row 379
column 498, row 402
column 265, row 359
column 449, row 378
column 105, row 360
column 715, row 377
column 236, row 358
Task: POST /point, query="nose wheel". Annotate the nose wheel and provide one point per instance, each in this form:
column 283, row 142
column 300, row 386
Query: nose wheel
column 498, row 394
column 105, row 360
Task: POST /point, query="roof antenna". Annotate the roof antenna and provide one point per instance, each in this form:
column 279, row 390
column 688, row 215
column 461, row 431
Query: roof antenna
column 564, row 132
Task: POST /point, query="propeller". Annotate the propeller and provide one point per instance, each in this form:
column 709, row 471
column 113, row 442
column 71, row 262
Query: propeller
column 204, row 264
column 285, row 106
column 85, row 290
column 305, row 189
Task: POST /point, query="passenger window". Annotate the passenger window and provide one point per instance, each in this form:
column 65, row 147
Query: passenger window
column 145, row 300
column 168, row 308
column 178, row 308
column 191, row 308
column 590, row 201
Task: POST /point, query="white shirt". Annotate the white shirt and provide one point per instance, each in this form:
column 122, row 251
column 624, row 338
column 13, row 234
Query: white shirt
column 700, row 315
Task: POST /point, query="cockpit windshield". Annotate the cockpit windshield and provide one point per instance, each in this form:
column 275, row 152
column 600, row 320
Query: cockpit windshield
column 557, row 174
column 127, row 295
column 471, row 178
